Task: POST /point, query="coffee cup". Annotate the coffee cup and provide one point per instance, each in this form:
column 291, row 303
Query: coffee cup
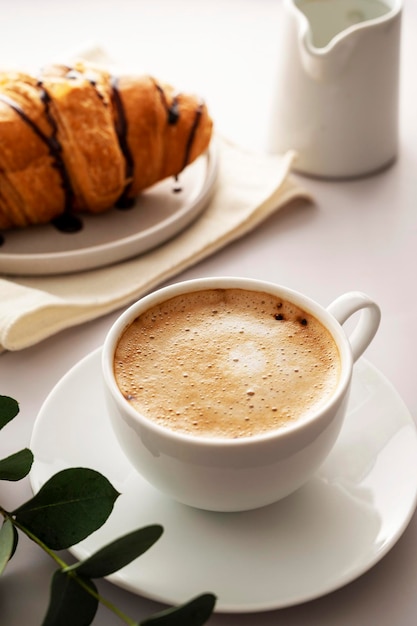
column 227, row 394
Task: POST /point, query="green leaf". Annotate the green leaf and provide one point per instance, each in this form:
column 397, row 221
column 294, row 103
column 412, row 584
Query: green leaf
column 70, row 506
column 8, row 542
column 17, row 465
column 70, row 604
column 193, row 613
column 9, row 408
column 118, row 553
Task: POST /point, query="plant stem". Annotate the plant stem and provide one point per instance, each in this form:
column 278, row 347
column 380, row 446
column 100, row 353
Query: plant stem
column 34, row 538
column 114, row 609
column 102, row 600
column 62, row 564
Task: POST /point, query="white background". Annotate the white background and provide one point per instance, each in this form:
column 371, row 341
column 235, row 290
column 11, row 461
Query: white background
column 358, row 234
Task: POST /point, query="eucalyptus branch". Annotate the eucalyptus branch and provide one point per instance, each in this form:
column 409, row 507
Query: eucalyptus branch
column 109, row 605
column 55, row 520
column 65, row 566
column 33, row 537
column 112, row 607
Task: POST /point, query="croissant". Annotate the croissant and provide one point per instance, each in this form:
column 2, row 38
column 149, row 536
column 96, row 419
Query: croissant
column 76, row 139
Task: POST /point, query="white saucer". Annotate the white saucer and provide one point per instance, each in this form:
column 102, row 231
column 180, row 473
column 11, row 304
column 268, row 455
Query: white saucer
column 328, row 533
column 113, row 236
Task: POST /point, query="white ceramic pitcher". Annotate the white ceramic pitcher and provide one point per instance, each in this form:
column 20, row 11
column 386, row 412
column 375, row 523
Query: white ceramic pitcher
column 338, row 85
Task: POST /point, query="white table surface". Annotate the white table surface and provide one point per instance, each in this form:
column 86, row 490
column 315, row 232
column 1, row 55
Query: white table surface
column 359, row 234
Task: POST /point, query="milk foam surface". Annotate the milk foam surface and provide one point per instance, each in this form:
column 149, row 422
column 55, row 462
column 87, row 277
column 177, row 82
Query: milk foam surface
column 226, row 363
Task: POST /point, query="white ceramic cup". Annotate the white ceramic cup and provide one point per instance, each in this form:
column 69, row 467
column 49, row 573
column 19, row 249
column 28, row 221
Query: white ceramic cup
column 251, row 472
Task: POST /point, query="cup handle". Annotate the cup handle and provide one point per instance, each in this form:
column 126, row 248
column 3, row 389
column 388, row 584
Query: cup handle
column 346, row 305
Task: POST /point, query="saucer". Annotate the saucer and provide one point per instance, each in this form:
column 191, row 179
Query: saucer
column 322, row 537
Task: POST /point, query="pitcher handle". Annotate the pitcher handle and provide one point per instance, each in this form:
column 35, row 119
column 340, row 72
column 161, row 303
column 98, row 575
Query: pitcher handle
column 346, row 305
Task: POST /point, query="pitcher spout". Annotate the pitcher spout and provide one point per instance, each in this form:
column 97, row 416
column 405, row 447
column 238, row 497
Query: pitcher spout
column 324, row 64
column 329, row 32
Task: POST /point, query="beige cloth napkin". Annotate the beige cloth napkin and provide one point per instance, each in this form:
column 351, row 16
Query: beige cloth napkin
column 250, row 187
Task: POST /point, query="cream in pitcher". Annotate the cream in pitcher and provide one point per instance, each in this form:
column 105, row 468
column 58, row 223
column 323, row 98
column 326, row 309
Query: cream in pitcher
column 337, row 91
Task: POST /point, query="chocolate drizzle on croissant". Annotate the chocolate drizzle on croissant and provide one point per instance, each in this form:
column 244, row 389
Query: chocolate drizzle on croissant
column 79, row 139
column 171, row 109
column 121, row 129
column 50, row 141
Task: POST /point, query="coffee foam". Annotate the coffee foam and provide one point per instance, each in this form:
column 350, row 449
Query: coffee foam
column 226, row 363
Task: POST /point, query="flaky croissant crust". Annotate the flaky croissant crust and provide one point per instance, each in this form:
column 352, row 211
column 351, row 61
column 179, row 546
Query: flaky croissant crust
column 79, row 139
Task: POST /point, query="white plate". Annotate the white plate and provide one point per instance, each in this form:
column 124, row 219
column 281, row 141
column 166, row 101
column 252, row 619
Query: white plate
column 158, row 214
column 325, row 535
